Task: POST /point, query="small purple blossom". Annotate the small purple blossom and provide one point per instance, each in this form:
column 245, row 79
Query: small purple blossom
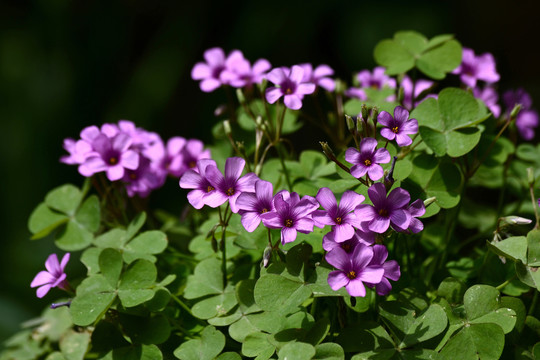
column 253, row 205
column 291, row 214
column 238, row 71
column 53, row 277
column 353, row 269
column 196, row 180
column 340, row 217
column 411, row 100
column 144, row 178
column 360, row 237
column 192, row 152
column 415, row 209
column 490, row 98
column 231, row 185
column 319, row 76
column 474, row 68
column 527, row 118
column 289, row 85
column 367, row 160
column 210, row 72
column 399, row 126
column 385, row 211
column 391, row 270
column 377, row 80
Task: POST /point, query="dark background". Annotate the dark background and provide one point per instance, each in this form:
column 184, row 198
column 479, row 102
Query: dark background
column 69, row 64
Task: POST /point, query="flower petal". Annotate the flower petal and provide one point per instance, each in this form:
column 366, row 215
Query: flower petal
column 273, row 94
column 292, row 101
column 337, row 279
column 356, row 288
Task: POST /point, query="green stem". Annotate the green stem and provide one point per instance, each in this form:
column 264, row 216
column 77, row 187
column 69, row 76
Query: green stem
column 504, row 284
column 535, row 207
column 279, row 124
column 533, row 304
column 182, row 305
column 284, row 167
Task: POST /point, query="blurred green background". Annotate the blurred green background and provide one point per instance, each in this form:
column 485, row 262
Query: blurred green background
column 69, row 64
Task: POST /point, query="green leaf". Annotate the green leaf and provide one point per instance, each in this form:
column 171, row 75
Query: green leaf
column 440, row 59
column 277, row 293
column 89, row 214
column 135, row 225
column 214, row 306
column 90, row 258
column 110, row 264
column 258, row 344
column 94, row 296
column 364, row 337
column 43, row 221
column 528, row 275
column 74, row 345
column 329, row 351
column 210, row 344
column 146, row 329
column 452, row 290
column 135, row 283
column 394, row 56
column 245, row 296
column 480, row 300
column 504, row 317
column 533, row 245
column 478, row 341
column 318, row 332
column 206, row 280
column 147, row 243
column 65, row 198
column 519, row 308
column 73, row 237
column 114, row 238
column 297, row 351
column 513, row 248
column 229, row 356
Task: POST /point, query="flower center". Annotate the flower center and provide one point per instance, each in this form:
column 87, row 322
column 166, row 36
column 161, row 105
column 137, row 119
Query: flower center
column 338, row 220
column 265, row 210
column 367, row 162
column 395, row 129
column 210, row 188
column 351, row 275
column 288, row 223
column 230, row 191
column 113, row 160
column 133, row 176
column 192, row 164
column 383, row 212
column 346, row 246
column 288, row 91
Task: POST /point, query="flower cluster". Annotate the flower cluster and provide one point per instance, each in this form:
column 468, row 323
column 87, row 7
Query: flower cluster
column 527, row 118
column 137, row 157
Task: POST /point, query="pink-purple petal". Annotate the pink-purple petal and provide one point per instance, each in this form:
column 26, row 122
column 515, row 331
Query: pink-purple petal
column 337, row 279
column 356, row 288
column 273, row 94
column 292, row 101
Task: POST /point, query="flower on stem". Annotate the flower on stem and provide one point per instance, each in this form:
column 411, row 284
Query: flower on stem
column 415, row 209
column 411, row 100
column 391, row 270
column 474, row 68
column 196, row 180
column 385, row 211
column 319, row 76
column 377, row 80
column 367, row 160
column 210, row 72
column 340, row 217
column 399, row 126
column 253, row 205
column 231, row 185
column 53, row 277
column 291, row 214
column 289, row 85
column 527, row 118
column 360, row 237
column 238, row 71
column 354, row 269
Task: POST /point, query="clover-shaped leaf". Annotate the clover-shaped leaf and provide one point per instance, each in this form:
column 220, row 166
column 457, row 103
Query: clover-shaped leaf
column 210, row 344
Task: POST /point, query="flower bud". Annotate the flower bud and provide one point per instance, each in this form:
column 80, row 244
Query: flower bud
column 227, row 127
column 326, row 149
column 515, row 111
column 530, row 176
column 267, row 255
column 365, row 111
column 375, row 114
column 401, row 95
column 350, row 123
column 340, row 86
column 429, row 201
column 514, row 220
column 240, row 96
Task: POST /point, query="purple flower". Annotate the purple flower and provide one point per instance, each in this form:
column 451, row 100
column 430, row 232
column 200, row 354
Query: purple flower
column 196, row 180
column 340, row 217
column 391, row 270
column 399, row 126
column 239, row 73
column 416, row 209
column 291, row 214
column 490, row 97
column 320, row 76
column 252, row 205
column 353, row 269
column 230, row 186
column 210, row 71
column 144, row 179
column 527, row 119
column 377, row 80
column 385, row 211
column 367, row 160
column 474, row 68
column 112, row 155
column 53, row 277
column 360, row 237
column 192, row 152
column 172, row 160
column 411, row 100
column 289, row 85
column 78, row 151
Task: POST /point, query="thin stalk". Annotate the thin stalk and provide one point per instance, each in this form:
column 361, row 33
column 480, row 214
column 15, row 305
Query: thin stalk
column 535, row 207
column 285, row 170
column 504, row 284
column 279, row 124
column 533, row 304
column 182, row 305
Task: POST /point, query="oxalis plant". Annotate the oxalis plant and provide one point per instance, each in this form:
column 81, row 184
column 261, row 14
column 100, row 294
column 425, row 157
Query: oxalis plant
column 409, row 230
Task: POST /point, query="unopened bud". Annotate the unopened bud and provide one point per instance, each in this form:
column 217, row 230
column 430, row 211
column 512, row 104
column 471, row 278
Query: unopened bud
column 515, row 111
column 220, row 110
column 227, row 127
column 530, row 176
column 429, row 201
column 326, row 149
column 350, row 123
column 514, row 220
column 267, row 255
column 375, row 114
column 401, row 95
column 259, row 120
column 340, row 86
column 365, row 112
column 359, row 125
column 240, row 96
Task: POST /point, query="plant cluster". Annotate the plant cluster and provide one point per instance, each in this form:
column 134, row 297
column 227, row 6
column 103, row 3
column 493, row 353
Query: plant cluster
column 429, row 252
